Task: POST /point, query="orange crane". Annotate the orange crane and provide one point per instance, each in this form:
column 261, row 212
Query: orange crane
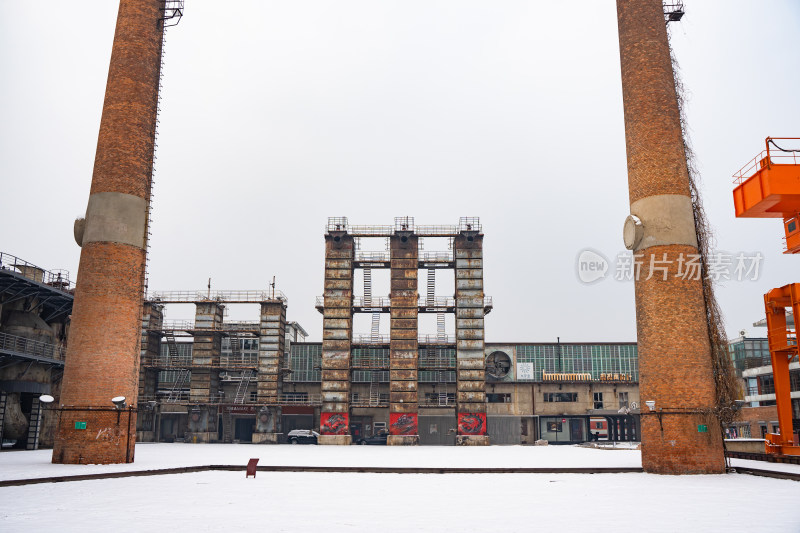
column 769, row 187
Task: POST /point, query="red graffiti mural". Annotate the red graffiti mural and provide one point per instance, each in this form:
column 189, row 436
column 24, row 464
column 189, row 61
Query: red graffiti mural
column 403, row 424
column 472, row 423
column 334, row 423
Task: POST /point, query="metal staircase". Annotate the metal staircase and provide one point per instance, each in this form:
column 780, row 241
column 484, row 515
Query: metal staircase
column 241, row 390
column 172, row 345
column 177, row 387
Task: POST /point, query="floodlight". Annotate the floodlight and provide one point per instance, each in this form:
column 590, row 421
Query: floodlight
column 651, row 404
column 46, row 398
column 119, row 402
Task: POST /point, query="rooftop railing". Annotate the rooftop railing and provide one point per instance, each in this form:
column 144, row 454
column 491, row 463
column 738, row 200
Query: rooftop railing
column 58, row 279
column 770, row 156
column 235, row 296
column 23, row 345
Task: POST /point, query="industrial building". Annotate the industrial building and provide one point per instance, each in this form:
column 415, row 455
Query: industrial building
column 35, row 305
column 211, row 381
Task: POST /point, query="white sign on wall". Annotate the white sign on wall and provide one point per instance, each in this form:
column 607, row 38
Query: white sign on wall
column 524, row 371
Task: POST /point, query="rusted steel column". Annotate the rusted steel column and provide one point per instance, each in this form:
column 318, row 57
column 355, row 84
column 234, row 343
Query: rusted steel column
column 270, row 360
column 675, row 365
column 152, row 321
column 204, row 381
column 470, row 370
column 337, row 334
column 104, row 337
column 403, row 343
column 206, row 351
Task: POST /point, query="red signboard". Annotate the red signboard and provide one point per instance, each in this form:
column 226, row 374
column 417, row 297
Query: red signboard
column 251, row 468
column 334, row 423
column 403, row 424
column 472, row 423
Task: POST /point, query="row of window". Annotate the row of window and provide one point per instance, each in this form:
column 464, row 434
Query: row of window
column 594, row 359
column 555, row 397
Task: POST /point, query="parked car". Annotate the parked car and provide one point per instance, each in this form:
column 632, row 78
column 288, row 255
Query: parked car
column 302, row 436
column 380, row 438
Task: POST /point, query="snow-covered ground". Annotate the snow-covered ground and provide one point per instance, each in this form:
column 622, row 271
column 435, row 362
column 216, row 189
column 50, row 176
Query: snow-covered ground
column 24, row 465
column 221, row 501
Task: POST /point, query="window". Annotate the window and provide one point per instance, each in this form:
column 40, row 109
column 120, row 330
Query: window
column 560, row 397
column 498, row 398
column 598, row 400
column 623, row 399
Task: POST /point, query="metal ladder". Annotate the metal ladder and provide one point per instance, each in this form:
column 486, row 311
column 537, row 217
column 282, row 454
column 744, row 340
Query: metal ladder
column 177, row 387
column 443, row 390
column 431, row 288
column 3, row 399
column 227, row 426
column 236, row 348
column 241, row 390
column 375, row 330
column 34, row 425
column 374, row 388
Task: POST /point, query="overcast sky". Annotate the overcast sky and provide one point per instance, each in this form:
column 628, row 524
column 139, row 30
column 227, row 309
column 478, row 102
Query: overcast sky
column 277, row 115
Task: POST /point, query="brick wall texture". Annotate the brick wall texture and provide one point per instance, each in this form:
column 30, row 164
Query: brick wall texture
column 674, row 350
column 103, row 357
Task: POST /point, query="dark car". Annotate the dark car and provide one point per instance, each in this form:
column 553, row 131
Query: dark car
column 302, row 436
column 380, row 438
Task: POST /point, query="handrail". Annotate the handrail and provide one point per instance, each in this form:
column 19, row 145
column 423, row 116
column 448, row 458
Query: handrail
column 766, row 158
column 285, row 399
column 436, row 339
column 371, row 339
column 372, row 257
column 27, row 346
column 58, row 279
column 423, row 301
column 189, row 325
column 436, row 257
column 234, row 296
column 403, row 224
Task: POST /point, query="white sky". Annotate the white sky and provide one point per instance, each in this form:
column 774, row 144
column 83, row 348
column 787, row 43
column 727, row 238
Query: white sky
column 276, row 115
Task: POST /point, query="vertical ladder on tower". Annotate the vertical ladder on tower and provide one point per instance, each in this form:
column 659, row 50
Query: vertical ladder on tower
column 431, row 287
column 177, row 387
column 227, row 426
column 236, row 348
column 374, row 388
column 440, row 331
column 3, row 399
column 442, row 379
column 375, row 330
column 241, row 390
column 34, row 425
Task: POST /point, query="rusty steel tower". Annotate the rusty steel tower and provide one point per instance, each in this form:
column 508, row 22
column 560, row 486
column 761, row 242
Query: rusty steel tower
column 409, row 353
column 103, row 354
column 676, row 375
